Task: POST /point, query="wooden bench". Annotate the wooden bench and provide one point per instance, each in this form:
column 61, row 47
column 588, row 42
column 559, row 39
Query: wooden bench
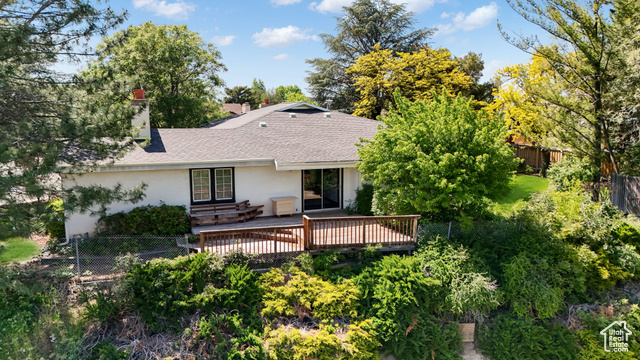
column 218, row 213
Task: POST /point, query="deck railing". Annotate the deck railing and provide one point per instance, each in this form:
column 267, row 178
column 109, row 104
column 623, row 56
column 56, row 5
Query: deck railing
column 360, row 231
column 265, row 240
column 315, row 234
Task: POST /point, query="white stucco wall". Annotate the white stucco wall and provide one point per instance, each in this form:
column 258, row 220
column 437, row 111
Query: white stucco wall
column 170, row 186
column 258, row 184
column 352, row 180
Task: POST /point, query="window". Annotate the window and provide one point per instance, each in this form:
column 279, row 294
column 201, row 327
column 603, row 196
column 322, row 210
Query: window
column 201, row 185
column 224, row 184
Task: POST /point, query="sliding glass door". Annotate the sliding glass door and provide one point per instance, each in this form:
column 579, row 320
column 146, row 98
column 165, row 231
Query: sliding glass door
column 321, row 189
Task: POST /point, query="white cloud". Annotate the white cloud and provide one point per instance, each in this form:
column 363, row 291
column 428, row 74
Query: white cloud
column 284, row 2
column 281, row 37
column 335, row 6
column 477, row 19
column 326, row 6
column 418, row 5
column 178, row 10
column 223, row 40
column 491, row 68
column 281, row 57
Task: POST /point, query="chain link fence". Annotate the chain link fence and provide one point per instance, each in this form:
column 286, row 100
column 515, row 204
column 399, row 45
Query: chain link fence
column 496, row 230
column 102, row 256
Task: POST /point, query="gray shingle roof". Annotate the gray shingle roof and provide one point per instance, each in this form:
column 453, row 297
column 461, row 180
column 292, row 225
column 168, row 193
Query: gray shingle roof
column 310, row 137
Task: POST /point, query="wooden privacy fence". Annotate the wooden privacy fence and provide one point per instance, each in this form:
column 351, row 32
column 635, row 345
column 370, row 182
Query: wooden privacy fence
column 625, row 193
column 537, row 157
column 330, row 233
column 540, row 157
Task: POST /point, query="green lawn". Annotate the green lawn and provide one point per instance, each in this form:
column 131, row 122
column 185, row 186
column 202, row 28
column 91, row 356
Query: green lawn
column 520, row 188
column 18, row 249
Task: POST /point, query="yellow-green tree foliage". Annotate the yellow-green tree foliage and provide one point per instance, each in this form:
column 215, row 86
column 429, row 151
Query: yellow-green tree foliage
column 416, row 75
column 525, row 115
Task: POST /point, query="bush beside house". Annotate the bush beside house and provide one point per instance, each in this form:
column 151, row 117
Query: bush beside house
column 164, row 219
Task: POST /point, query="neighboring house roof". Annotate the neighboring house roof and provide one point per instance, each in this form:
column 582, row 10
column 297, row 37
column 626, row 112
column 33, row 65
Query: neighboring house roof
column 313, row 137
column 233, row 109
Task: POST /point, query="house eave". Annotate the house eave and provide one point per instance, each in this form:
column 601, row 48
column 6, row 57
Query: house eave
column 180, row 165
column 315, row 165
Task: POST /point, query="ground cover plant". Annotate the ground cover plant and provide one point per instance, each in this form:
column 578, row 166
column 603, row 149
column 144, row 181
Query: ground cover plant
column 35, row 319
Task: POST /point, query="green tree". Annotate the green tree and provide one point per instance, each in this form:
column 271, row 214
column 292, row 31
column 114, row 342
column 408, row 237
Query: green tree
column 175, row 66
column 626, row 90
column 52, row 123
column 585, row 60
column 239, row 95
column 362, row 25
column 415, row 75
column 296, row 97
column 439, row 158
column 525, row 114
column 473, row 65
column 283, row 90
column 258, row 93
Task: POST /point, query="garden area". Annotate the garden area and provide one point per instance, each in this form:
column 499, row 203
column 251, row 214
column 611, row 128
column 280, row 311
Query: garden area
column 542, row 290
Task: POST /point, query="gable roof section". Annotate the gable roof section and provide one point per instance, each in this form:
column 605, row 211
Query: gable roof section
column 303, row 106
column 311, row 139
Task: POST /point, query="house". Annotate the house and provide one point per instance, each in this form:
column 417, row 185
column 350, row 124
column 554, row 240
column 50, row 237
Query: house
column 295, row 150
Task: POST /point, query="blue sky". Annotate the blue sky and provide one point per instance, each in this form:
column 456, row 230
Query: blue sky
column 270, row 39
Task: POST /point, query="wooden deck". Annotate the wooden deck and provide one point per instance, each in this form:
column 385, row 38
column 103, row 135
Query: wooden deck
column 324, row 233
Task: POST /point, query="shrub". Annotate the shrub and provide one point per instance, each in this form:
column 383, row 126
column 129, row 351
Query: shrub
column 298, row 294
column 466, row 291
column 532, row 287
column 105, row 350
column 163, row 290
column 508, row 337
column 570, row 170
column 363, row 202
column 36, row 320
column 146, row 220
column 360, row 343
column 399, row 294
column 54, row 220
column 627, row 234
column 590, row 339
column 102, row 305
column 226, row 337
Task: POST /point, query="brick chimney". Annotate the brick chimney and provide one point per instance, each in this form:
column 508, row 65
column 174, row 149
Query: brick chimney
column 141, row 120
column 246, row 107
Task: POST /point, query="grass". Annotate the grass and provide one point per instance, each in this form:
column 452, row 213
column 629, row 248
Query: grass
column 18, row 249
column 520, row 188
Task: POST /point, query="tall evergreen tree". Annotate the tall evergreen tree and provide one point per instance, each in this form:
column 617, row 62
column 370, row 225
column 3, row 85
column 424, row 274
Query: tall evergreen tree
column 585, row 59
column 362, row 25
column 53, row 123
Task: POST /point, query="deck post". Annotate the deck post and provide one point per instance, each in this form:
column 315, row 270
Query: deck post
column 275, row 242
column 415, row 229
column 201, row 242
column 305, row 231
column 364, row 231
